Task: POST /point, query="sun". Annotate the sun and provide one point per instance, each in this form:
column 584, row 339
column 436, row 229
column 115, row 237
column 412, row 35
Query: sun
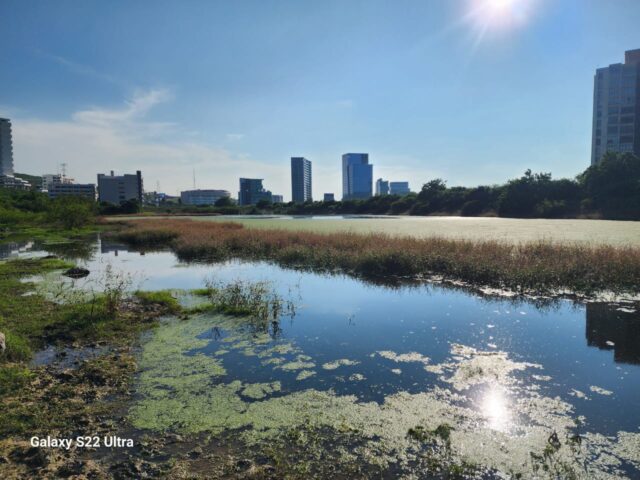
column 500, row 4
column 498, row 16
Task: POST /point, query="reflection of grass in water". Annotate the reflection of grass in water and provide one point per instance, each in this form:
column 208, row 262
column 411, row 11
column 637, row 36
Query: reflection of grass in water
column 258, row 302
column 536, row 266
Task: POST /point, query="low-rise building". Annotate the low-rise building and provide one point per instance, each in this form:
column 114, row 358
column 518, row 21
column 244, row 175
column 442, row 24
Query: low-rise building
column 87, row 190
column 117, row 189
column 202, row 197
column 329, row 197
column 9, row 181
column 399, row 188
column 277, row 198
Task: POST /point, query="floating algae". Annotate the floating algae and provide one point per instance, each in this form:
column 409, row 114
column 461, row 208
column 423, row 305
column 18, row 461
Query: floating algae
column 189, row 393
column 300, row 363
column 600, row 390
column 404, row 357
column 260, row 390
column 473, row 366
column 304, row 374
column 338, row 363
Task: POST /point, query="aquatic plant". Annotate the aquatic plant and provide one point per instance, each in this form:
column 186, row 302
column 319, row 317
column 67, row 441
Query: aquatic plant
column 539, row 266
column 258, row 301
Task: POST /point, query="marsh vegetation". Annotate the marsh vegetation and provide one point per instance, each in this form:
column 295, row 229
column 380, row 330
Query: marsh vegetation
column 538, row 266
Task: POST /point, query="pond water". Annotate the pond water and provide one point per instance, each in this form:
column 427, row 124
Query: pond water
column 505, row 373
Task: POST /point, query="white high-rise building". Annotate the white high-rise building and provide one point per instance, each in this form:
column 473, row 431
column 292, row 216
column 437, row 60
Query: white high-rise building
column 616, row 108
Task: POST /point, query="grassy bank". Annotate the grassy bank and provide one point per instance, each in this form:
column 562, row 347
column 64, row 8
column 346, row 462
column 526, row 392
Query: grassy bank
column 528, row 267
column 31, row 321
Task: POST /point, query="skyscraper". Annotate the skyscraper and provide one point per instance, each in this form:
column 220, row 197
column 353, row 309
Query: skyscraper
column 252, row 191
column 616, row 108
column 300, row 179
column 357, row 176
column 6, row 147
column 382, row 187
column 7, row 180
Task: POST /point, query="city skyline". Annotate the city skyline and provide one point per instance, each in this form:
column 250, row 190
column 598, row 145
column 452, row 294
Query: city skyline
column 419, row 88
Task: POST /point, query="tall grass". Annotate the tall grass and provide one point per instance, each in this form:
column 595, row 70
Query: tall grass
column 539, row 266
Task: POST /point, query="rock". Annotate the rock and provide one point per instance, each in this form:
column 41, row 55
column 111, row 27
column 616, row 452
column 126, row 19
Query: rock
column 77, row 272
column 3, row 344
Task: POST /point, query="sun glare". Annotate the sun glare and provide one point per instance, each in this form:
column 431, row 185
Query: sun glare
column 495, row 408
column 497, row 16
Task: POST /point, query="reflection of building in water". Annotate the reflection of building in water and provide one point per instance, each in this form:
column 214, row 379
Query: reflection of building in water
column 611, row 329
column 108, row 247
column 13, row 249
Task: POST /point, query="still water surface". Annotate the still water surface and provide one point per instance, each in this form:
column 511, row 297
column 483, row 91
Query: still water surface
column 585, row 355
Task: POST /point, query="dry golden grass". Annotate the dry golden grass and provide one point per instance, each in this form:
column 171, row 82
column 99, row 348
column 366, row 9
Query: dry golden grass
column 539, row 266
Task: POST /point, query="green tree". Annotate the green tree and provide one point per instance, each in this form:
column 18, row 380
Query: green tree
column 613, row 185
column 71, row 212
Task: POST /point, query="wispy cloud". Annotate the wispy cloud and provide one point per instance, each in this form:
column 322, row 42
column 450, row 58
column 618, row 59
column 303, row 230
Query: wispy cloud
column 81, row 69
column 98, row 139
column 134, row 109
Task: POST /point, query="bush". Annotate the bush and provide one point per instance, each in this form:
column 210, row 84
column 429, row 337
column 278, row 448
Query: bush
column 71, row 212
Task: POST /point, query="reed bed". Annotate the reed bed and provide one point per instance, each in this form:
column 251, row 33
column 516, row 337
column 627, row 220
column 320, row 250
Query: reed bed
column 540, row 266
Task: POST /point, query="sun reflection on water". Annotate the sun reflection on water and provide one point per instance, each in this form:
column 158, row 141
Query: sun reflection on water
column 495, row 406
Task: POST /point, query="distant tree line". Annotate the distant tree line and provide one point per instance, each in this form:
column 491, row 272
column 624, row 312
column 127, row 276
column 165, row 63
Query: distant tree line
column 610, row 189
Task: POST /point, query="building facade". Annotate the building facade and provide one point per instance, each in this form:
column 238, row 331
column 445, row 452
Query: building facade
column 300, row 180
column 7, row 179
column 117, row 189
column 329, row 197
column 202, row 197
column 399, row 188
column 382, row 187
column 357, row 176
column 6, row 147
column 252, row 191
column 616, row 108
column 86, row 190
column 277, row 198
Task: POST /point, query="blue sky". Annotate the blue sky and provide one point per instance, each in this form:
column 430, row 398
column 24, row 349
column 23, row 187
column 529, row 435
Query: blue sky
column 236, row 88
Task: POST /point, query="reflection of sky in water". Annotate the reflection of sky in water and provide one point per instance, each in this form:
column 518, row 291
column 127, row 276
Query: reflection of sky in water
column 339, row 317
